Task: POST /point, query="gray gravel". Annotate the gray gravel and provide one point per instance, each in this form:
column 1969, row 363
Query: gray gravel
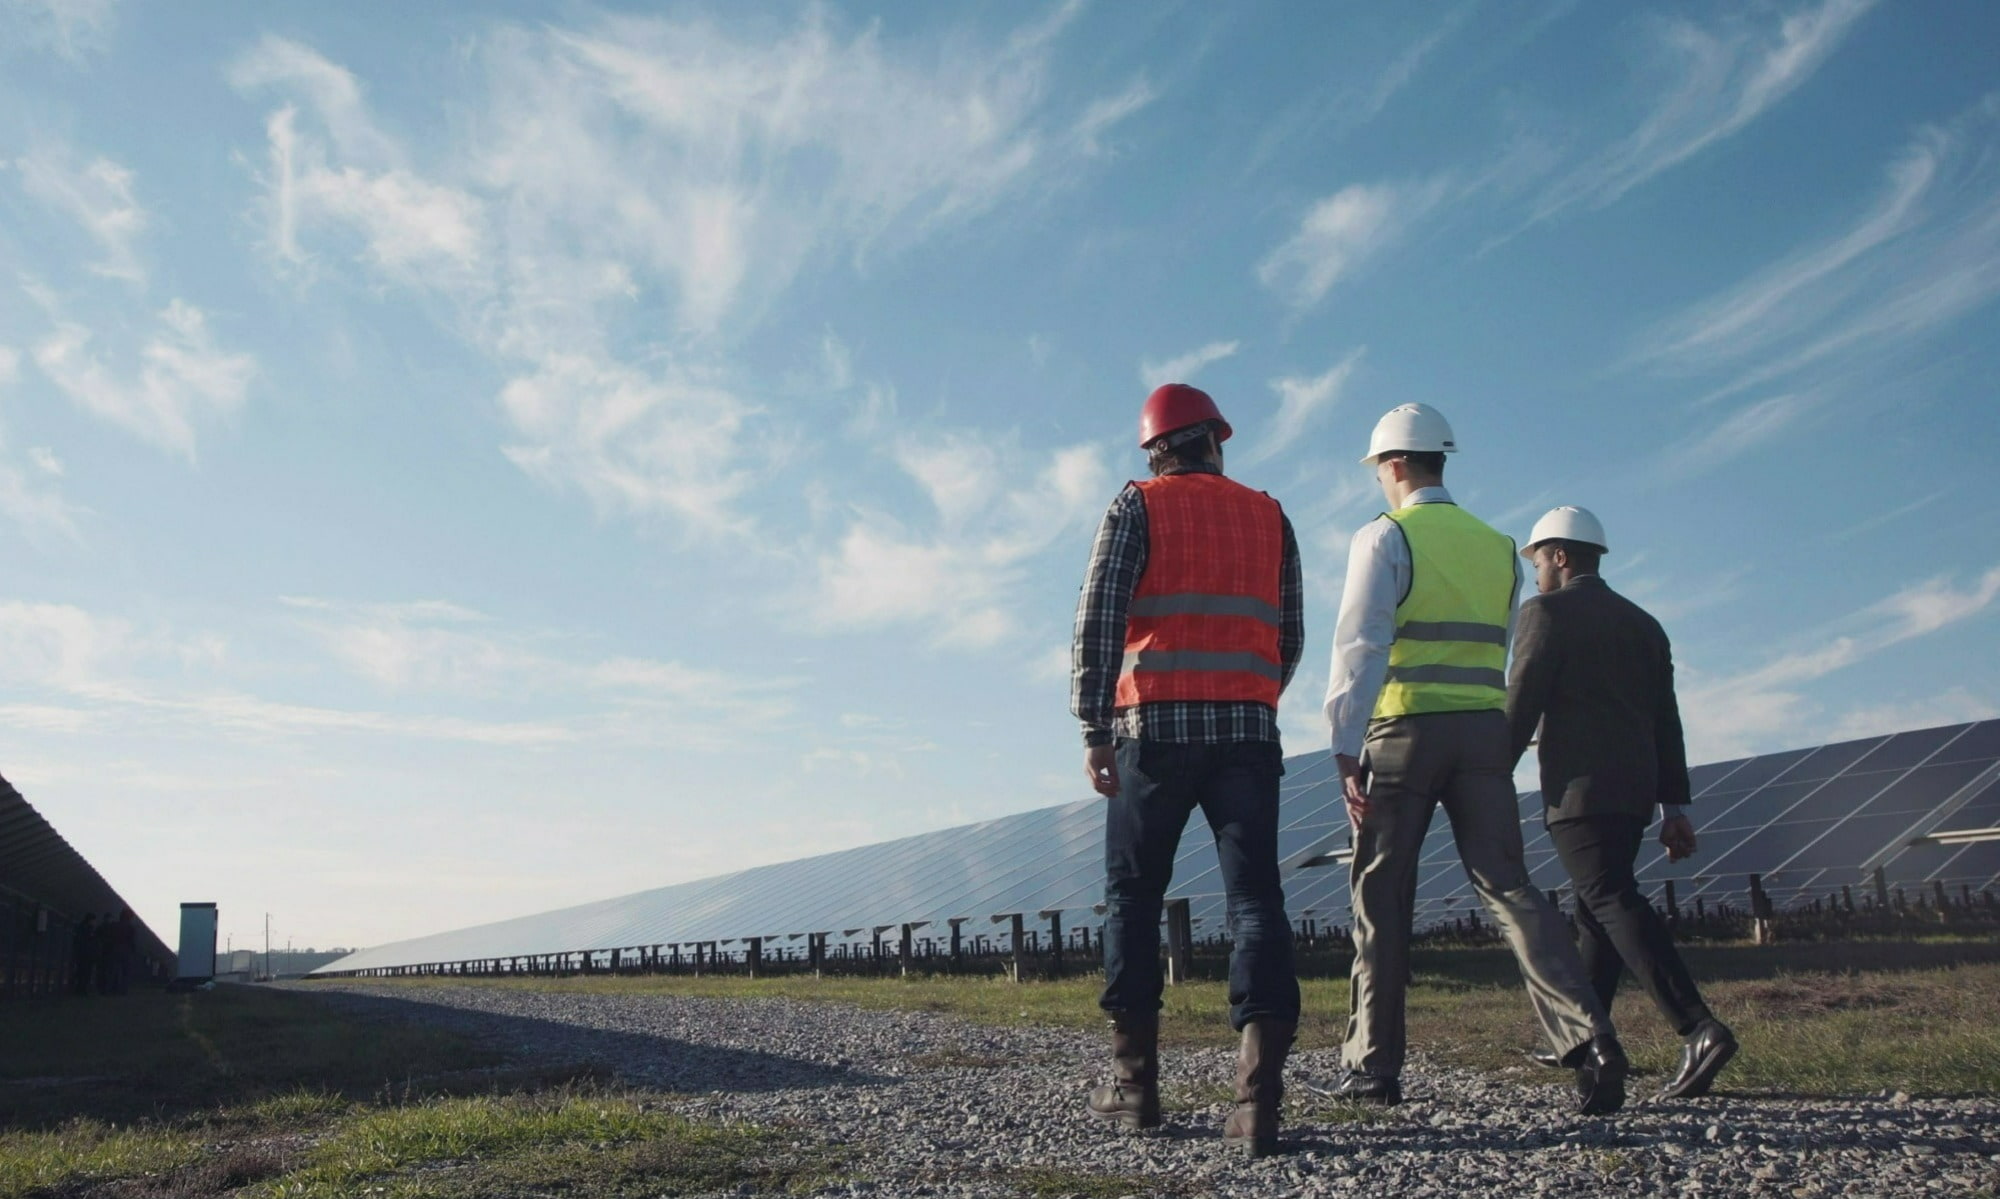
column 935, row 1106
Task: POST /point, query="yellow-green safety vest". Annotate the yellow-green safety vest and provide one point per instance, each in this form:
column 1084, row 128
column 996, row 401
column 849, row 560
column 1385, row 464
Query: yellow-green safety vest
column 1450, row 653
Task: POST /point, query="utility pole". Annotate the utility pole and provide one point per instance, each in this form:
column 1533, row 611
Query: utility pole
column 267, row 947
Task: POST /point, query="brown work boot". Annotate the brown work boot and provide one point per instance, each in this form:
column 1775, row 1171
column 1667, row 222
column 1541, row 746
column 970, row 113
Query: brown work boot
column 1132, row 1097
column 1260, row 1087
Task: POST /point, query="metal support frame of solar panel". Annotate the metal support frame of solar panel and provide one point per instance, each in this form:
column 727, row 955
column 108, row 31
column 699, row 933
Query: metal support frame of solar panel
column 38, row 865
column 1051, row 859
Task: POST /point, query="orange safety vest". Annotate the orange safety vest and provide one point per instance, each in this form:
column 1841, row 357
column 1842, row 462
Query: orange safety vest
column 1205, row 618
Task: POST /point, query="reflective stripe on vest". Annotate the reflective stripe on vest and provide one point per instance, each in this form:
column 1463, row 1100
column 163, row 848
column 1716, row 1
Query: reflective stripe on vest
column 1204, row 620
column 1450, row 653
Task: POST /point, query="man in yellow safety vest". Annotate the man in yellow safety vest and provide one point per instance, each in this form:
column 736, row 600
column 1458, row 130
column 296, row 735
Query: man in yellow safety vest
column 1417, row 699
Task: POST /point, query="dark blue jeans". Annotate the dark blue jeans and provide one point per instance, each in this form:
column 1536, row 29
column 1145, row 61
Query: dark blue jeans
column 1235, row 785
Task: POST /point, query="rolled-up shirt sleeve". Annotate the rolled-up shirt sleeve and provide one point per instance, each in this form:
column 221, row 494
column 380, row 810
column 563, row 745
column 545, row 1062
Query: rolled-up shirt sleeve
column 1292, row 606
column 1378, row 572
column 1097, row 649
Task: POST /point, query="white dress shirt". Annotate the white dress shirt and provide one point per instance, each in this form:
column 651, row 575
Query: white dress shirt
column 1378, row 576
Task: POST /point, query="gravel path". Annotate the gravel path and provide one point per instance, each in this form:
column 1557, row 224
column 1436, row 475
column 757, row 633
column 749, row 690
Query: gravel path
column 935, row 1106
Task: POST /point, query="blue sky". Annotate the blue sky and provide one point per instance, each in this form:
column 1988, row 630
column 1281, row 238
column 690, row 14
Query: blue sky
column 460, row 462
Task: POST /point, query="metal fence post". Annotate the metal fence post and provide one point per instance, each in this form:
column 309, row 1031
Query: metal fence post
column 1180, row 941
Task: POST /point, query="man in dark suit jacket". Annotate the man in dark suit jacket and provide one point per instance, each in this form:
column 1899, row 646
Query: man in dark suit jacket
column 1595, row 672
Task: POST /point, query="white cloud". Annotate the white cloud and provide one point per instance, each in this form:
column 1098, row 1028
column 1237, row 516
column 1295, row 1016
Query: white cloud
column 439, row 648
column 26, row 496
column 1767, row 706
column 184, row 379
column 1956, row 706
column 410, row 229
column 438, row 651
column 332, row 90
column 1924, row 254
column 58, row 645
column 962, row 581
column 69, row 28
column 634, row 443
column 1717, row 81
column 1300, row 400
column 1107, row 113
column 1340, row 233
column 653, row 186
column 96, row 195
column 1738, row 433
column 1184, row 367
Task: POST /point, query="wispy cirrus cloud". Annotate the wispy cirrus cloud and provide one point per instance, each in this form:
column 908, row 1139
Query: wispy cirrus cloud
column 97, row 196
column 1300, row 401
column 1924, row 254
column 1182, row 368
column 1736, row 433
column 1716, row 79
column 1340, row 233
column 512, row 687
column 71, row 29
column 30, row 495
column 183, row 379
column 663, row 182
column 961, row 578
column 1758, row 709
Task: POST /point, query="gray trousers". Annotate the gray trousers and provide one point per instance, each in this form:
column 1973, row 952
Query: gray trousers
column 1459, row 760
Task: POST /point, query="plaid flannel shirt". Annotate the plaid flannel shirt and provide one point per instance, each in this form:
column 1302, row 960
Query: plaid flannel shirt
column 1097, row 653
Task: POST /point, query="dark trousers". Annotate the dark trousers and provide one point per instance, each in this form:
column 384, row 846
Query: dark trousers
column 1617, row 928
column 1235, row 784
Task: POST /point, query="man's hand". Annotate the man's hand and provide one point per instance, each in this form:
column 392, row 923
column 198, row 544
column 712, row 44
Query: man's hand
column 1100, row 762
column 1677, row 835
column 1350, row 787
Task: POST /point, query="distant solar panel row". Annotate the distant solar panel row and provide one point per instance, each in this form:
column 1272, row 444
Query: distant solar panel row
column 1808, row 821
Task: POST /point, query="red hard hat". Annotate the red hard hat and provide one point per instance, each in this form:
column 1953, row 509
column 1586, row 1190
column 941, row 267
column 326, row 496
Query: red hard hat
column 1176, row 406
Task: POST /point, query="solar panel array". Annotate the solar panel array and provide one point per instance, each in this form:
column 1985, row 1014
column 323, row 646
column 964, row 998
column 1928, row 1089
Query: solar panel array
column 1808, row 821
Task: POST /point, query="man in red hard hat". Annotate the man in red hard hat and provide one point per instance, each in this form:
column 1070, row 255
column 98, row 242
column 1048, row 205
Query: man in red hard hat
column 1190, row 624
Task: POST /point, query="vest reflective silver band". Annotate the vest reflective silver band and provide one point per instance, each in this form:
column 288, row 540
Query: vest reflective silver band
column 1197, row 603
column 1452, row 630
column 1470, row 676
column 1164, row 662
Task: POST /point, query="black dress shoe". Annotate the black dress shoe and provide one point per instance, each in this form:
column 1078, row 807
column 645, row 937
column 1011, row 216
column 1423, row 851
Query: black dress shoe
column 1546, row 1057
column 1367, row 1088
column 1707, row 1051
column 1600, row 1077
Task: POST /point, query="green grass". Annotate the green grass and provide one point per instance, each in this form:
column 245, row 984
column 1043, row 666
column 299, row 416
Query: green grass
column 269, row 1094
column 609, row 1144
column 87, row 1151
column 1814, row 1019
column 154, row 1054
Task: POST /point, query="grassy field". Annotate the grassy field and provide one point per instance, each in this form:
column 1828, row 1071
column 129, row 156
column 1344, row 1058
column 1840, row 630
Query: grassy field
column 1819, row 1019
column 264, row 1093
column 271, row 1093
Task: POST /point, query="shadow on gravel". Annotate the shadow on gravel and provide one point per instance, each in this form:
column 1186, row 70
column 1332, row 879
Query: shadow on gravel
column 1891, row 1131
column 639, row 1058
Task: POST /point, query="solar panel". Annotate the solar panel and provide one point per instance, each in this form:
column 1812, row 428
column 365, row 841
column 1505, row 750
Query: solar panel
column 1807, row 821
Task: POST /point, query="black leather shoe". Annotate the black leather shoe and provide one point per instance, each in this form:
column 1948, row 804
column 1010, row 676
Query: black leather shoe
column 1600, row 1077
column 1366, row 1088
column 1707, row 1051
column 1545, row 1057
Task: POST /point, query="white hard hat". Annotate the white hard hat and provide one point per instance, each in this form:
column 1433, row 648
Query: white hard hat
column 1567, row 523
column 1419, row 428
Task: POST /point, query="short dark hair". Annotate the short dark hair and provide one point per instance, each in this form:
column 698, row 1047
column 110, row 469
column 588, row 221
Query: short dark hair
column 1429, row 463
column 1583, row 556
column 1164, row 458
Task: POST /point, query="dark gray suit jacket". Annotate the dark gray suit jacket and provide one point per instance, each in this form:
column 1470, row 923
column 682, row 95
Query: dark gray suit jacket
column 1594, row 670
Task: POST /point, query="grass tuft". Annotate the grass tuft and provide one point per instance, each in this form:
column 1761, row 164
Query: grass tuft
column 88, row 1151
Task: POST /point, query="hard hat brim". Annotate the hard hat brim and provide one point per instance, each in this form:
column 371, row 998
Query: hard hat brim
column 1528, row 550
